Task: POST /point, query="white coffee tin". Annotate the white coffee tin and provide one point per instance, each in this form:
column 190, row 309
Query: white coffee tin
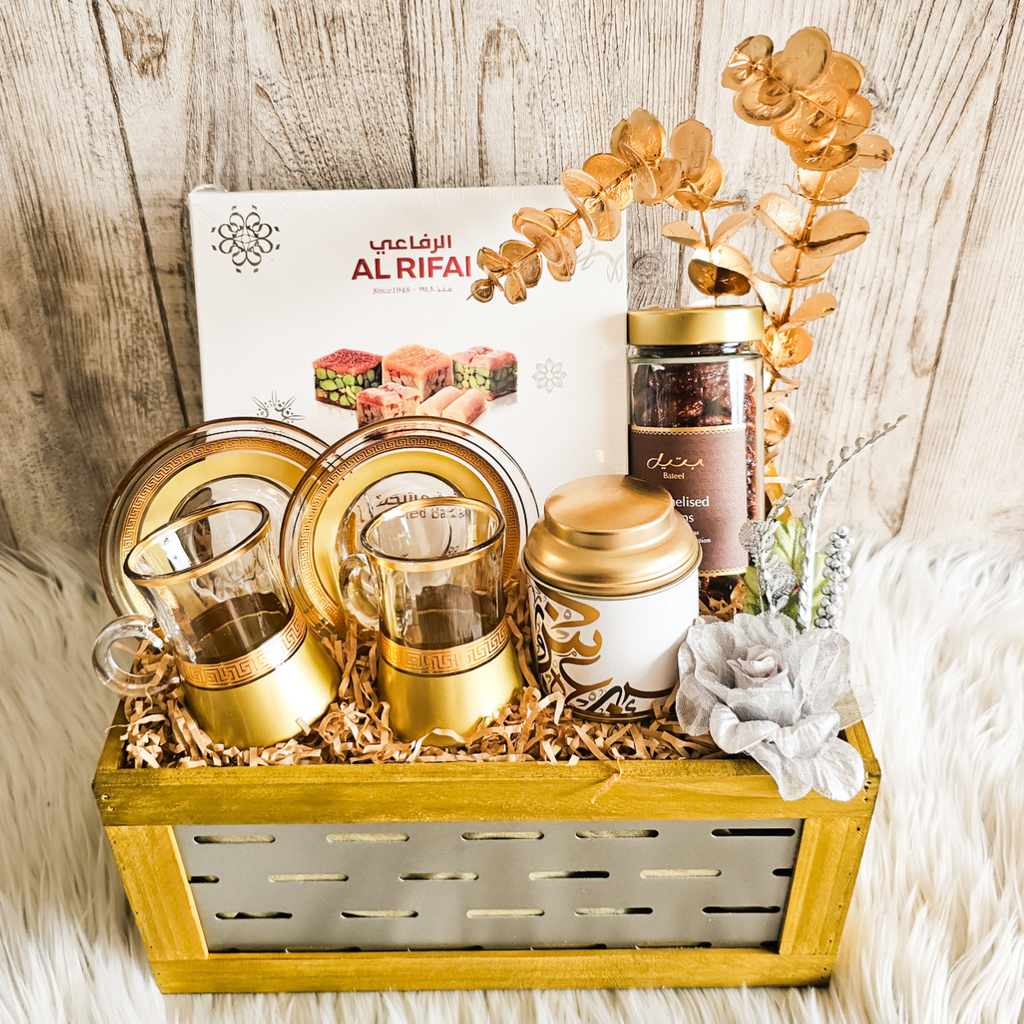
column 612, row 571
column 612, row 657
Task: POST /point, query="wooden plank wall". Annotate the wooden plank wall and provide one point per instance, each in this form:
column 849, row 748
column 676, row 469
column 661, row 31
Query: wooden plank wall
column 112, row 110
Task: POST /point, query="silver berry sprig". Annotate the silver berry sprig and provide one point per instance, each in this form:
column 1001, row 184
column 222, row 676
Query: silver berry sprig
column 779, row 577
column 836, row 571
column 809, row 519
column 775, row 578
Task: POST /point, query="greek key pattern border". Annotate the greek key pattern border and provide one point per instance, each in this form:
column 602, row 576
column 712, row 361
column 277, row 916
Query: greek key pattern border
column 269, row 655
column 445, row 661
column 133, row 517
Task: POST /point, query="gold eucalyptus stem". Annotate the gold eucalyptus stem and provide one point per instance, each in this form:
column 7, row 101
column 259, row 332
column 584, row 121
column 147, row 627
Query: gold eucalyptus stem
column 573, row 218
column 704, row 228
column 516, row 264
column 707, row 242
column 806, row 97
column 794, row 278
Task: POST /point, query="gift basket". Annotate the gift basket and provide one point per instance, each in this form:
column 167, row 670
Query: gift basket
column 387, row 723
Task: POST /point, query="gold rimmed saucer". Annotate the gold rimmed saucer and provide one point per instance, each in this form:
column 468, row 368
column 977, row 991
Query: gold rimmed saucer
column 378, row 466
column 221, row 460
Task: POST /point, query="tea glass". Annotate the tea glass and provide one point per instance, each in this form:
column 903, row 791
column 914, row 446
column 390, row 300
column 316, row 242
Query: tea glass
column 252, row 673
column 430, row 581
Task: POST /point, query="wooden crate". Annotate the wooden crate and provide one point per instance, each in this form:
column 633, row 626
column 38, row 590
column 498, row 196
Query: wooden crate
column 141, row 807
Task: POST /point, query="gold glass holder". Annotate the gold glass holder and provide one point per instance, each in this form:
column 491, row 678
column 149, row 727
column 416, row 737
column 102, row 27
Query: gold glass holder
column 458, row 701
column 268, row 708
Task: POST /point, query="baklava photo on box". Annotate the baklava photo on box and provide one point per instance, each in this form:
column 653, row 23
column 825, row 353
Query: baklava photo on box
column 415, row 380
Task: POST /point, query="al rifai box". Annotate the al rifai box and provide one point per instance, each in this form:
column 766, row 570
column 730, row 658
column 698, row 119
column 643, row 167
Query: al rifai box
column 328, row 309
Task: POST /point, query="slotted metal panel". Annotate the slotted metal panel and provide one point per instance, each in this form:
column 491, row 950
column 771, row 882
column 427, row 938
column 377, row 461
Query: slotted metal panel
column 496, row 885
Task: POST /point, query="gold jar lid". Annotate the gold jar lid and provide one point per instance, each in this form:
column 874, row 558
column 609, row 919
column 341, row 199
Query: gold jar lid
column 701, row 325
column 610, row 536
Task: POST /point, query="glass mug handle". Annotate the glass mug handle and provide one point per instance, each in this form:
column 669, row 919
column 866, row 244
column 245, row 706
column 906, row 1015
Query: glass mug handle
column 127, row 627
column 357, row 590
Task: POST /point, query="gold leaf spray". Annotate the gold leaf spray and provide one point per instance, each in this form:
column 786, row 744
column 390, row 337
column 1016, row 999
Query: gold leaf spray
column 642, row 165
column 809, row 95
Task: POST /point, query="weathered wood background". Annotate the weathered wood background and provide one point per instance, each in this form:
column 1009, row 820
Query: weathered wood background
column 112, row 110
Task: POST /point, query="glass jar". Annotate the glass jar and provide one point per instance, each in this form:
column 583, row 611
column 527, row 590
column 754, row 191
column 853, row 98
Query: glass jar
column 696, row 425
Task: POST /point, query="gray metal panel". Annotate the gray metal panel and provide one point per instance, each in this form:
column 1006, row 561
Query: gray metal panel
column 624, row 900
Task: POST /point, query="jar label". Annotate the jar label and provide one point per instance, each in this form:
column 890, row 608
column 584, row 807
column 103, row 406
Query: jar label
column 705, row 471
column 612, row 658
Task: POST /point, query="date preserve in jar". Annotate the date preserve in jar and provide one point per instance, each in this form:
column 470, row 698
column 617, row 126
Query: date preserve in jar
column 613, row 587
column 696, row 424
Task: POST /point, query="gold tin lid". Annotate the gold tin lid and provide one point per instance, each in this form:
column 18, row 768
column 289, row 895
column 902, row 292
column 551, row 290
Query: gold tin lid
column 702, row 325
column 610, row 536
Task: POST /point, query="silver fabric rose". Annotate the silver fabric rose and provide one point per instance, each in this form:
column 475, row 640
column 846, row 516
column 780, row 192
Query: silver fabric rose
column 764, row 689
column 761, row 667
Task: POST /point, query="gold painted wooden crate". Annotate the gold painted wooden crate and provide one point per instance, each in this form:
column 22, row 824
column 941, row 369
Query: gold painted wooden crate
column 146, row 812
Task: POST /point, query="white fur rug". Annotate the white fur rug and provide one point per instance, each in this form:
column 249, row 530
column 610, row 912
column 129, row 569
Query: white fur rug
column 935, row 932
